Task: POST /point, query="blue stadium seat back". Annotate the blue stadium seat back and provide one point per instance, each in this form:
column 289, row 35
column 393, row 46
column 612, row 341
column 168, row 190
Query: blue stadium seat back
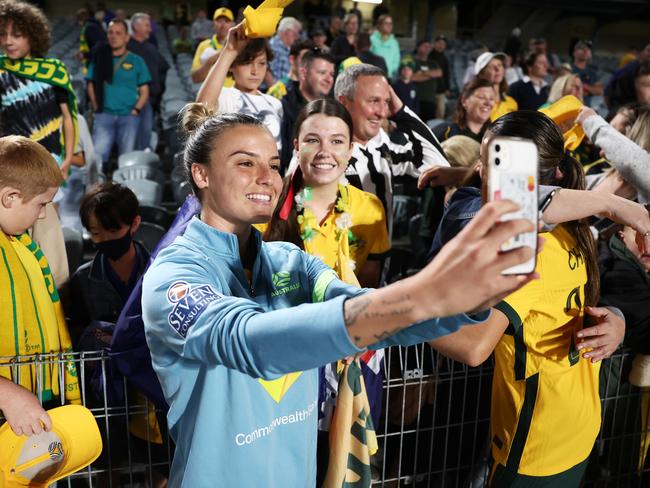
column 156, row 215
column 138, row 158
column 74, row 248
column 181, row 191
column 148, row 192
column 138, row 172
column 149, row 235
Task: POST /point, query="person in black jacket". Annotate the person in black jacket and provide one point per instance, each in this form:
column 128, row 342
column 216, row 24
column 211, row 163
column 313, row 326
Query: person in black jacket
column 443, row 87
column 158, row 66
column 345, row 45
column 368, row 57
column 92, row 34
column 531, row 92
column 625, row 284
column 315, row 80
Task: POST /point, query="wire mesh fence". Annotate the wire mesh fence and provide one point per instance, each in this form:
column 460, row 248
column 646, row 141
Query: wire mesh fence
column 433, row 431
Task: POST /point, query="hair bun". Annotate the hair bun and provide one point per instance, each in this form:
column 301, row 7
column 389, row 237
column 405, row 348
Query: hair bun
column 194, row 115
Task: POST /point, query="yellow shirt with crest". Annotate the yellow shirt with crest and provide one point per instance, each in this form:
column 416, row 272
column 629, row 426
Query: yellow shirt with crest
column 368, row 226
column 206, row 49
column 545, row 412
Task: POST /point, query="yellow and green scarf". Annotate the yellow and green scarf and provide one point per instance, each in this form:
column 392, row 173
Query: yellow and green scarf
column 50, row 71
column 32, row 322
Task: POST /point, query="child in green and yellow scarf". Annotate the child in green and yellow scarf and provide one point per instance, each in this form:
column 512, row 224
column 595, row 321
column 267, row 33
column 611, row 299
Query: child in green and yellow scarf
column 31, row 316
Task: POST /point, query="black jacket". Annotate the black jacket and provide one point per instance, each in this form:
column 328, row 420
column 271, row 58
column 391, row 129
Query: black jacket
column 93, row 297
column 292, row 103
column 626, row 285
column 157, row 65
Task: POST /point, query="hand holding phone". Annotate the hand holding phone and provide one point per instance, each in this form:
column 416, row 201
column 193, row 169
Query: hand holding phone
column 513, row 175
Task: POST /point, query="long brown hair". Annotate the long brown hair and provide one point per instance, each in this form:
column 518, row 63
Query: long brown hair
column 288, row 230
column 547, row 137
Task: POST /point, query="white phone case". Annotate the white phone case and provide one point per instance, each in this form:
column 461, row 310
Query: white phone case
column 513, row 175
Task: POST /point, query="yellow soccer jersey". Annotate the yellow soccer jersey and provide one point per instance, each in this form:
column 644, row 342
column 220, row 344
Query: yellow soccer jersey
column 368, row 226
column 205, row 50
column 545, row 413
column 505, row 106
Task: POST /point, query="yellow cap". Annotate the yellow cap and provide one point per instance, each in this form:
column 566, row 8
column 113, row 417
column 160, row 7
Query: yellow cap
column 566, row 109
column 223, row 12
column 39, row 460
column 347, row 62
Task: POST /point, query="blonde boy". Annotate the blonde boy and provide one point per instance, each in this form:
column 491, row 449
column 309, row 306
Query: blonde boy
column 31, row 316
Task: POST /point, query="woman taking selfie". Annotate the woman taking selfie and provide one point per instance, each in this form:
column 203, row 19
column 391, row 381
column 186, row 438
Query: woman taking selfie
column 237, row 356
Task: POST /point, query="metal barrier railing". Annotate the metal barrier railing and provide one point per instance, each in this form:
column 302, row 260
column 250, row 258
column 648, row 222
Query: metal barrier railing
column 433, row 432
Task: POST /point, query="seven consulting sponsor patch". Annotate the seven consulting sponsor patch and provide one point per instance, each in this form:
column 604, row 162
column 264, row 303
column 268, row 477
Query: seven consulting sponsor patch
column 189, row 303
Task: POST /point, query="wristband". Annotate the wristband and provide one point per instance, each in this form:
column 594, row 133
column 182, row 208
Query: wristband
column 137, row 110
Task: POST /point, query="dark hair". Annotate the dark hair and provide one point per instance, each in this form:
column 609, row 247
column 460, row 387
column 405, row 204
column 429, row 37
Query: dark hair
column 121, row 22
column 30, row 22
column 363, row 41
column 204, row 129
column 529, row 60
column 301, row 45
column 546, row 135
column 642, row 70
column 310, row 56
column 289, row 230
column 254, row 48
column 112, row 204
column 460, row 114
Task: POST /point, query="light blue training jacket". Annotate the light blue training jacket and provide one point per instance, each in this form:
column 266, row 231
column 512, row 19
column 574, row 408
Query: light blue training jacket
column 213, row 335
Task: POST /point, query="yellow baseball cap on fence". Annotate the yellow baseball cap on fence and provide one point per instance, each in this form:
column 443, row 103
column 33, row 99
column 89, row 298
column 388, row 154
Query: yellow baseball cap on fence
column 223, row 12
column 39, row 460
column 263, row 20
column 565, row 110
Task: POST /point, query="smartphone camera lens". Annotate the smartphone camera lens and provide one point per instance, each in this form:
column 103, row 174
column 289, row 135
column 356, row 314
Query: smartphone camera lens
column 497, row 161
column 497, row 148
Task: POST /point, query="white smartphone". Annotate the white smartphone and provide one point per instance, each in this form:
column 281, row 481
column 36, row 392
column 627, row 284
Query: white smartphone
column 513, row 175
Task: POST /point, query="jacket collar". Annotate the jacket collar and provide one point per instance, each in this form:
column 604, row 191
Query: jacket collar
column 224, row 244
column 98, row 270
column 620, row 250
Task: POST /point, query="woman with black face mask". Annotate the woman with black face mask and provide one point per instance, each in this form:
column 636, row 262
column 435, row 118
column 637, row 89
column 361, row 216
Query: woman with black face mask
column 100, row 287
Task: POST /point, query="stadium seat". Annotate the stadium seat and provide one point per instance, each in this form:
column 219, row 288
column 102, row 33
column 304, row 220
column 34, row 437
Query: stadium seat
column 149, row 235
column 148, row 192
column 155, row 215
column 138, row 172
column 182, row 191
column 74, row 248
column 138, row 158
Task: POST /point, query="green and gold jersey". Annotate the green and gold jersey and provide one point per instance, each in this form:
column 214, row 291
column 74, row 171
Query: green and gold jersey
column 545, row 403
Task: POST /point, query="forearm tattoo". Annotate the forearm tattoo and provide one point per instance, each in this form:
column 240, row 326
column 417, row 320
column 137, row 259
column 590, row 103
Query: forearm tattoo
column 385, row 308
